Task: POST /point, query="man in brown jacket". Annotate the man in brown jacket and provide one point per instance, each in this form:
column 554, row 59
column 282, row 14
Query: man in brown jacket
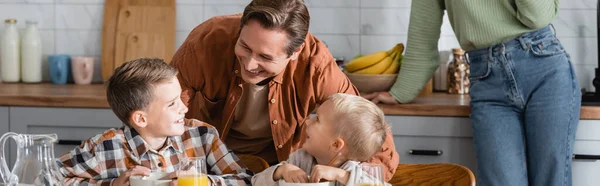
column 258, row 76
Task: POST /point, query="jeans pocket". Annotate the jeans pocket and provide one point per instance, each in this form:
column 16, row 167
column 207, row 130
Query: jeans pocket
column 546, row 47
column 479, row 70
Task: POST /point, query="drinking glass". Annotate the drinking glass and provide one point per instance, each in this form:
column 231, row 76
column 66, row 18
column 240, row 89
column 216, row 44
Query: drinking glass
column 368, row 174
column 192, row 172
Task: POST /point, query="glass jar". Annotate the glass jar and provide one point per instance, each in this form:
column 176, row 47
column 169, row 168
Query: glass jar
column 458, row 73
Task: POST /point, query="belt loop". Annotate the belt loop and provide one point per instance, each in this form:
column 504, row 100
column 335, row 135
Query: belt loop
column 553, row 29
column 503, row 49
column 491, row 53
column 523, row 43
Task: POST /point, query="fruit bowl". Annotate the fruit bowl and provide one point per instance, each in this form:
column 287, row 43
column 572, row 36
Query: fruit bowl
column 368, row 83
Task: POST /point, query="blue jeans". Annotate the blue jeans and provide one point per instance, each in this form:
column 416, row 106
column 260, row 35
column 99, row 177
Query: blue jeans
column 525, row 103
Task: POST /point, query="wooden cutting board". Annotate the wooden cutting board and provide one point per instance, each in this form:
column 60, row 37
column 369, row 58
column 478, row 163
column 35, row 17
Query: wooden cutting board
column 143, row 45
column 149, row 20
column 109, row 30
column 110, row 34
column 162, row 3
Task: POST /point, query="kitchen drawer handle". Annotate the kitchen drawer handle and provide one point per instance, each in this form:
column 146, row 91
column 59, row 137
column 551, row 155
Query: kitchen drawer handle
column 425, row 152
column 586, row 157
column 69, row 142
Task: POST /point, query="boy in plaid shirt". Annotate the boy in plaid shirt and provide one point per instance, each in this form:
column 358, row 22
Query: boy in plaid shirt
column 144, row 94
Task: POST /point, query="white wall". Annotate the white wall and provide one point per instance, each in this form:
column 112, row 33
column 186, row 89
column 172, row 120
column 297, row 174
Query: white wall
column 349, row 27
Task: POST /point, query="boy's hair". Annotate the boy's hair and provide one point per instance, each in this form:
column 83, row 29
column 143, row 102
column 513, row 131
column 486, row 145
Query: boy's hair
column 131, row 86
column 290, row 16
column 360, row 123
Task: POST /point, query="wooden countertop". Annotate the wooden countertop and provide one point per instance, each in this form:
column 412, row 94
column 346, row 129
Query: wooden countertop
column 93, row 96
column 50, row 95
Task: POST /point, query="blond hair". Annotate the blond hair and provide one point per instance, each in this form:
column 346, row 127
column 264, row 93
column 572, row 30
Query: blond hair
column 131, row 86
column 360, row 123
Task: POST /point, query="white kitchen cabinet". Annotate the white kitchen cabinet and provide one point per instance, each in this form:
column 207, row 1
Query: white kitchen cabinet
column 421, row 140
column 587, row 142
column 4, row 123
column 72, row 125
column 4, row 120
column 452, row 136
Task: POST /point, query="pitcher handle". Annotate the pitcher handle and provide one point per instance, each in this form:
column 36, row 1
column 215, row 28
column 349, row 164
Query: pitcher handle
column 7, row 176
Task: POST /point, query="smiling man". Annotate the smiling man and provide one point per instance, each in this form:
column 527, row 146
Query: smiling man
column 257, row 77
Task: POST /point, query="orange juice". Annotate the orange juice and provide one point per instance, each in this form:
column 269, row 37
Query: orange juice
column 194, row 180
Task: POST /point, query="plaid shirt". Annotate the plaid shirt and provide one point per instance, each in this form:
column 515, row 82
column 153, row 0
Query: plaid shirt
column 102, row 158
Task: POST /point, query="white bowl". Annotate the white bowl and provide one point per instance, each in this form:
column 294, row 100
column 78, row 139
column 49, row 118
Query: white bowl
column 283, row 183
column 153, row 180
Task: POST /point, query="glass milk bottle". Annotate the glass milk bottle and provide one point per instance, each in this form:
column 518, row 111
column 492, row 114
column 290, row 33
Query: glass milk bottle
column 9, row 52
column 31, row 54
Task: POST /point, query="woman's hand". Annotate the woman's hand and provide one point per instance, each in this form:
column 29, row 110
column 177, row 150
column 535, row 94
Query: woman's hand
column 381, row 97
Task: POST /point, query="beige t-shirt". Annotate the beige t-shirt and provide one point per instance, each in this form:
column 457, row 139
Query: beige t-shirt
column 250, row 132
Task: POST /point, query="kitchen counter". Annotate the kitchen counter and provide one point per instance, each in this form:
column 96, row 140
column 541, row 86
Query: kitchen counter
column 50, row 95
column 93, row 96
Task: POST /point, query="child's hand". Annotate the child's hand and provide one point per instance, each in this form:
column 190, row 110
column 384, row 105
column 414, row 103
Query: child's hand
column 328, row 173
column 123, row 179
column 290, row 173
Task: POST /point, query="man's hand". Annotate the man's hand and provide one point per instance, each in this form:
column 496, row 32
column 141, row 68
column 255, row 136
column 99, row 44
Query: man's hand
column 381, row 97
column 329, row 173
column 290, row 173
column 123, row 179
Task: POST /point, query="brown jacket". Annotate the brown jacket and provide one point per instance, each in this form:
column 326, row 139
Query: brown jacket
column 212, row 85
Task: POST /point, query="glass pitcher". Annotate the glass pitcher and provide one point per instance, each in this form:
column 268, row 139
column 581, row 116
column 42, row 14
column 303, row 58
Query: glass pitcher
column 35, row 163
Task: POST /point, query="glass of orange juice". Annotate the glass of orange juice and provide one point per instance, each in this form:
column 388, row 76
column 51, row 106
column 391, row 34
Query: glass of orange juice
column 369, row 174
column 192, row 172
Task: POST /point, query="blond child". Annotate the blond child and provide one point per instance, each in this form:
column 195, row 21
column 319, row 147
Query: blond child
column 144, row 95
column 346, row 131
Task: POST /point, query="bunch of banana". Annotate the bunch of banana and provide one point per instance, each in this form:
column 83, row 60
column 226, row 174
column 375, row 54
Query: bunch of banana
column 382, row 62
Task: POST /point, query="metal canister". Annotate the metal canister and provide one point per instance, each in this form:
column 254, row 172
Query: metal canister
column 458, row 73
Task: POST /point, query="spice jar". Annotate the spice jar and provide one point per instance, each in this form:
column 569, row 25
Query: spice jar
column 458, row 73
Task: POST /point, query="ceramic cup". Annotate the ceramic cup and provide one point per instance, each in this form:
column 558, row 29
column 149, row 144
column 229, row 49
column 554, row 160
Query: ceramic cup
column 83, row 69
column 59, row 66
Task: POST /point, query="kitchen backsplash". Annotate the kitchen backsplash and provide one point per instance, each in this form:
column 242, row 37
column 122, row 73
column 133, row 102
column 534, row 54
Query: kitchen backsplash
column 349, row 27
